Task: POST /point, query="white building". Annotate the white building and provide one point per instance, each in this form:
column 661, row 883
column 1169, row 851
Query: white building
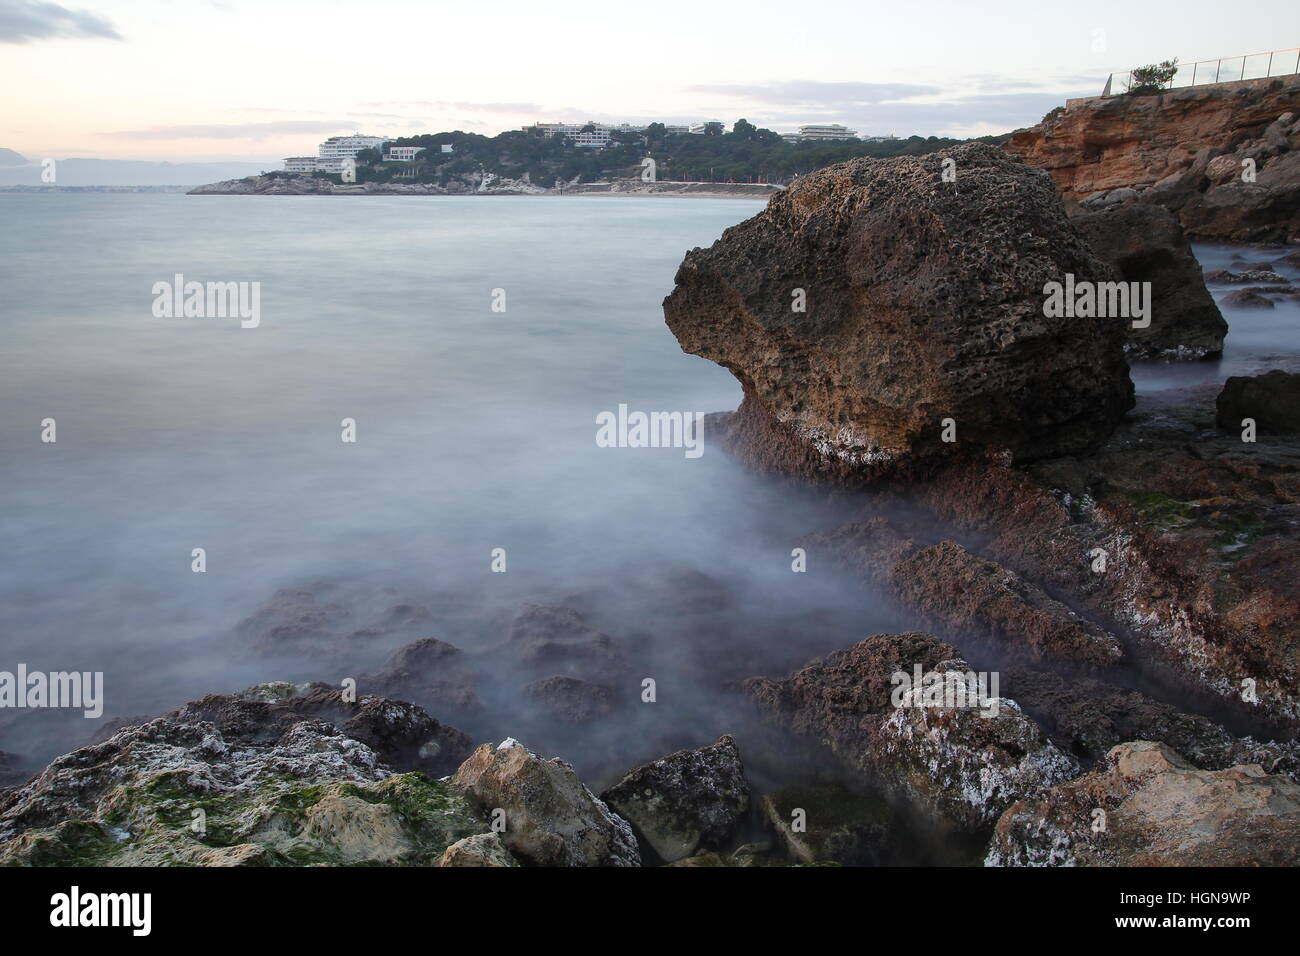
column 833, row 131
column 336, row 149
column 598, row 135
column 401, row 154
column 587, row 135
column 300, row 164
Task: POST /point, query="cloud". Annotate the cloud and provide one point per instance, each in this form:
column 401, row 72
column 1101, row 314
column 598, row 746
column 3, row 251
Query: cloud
column 240, row 130
column 446, row 106
column 25, row 21
column 970, row 105
column 811, row 92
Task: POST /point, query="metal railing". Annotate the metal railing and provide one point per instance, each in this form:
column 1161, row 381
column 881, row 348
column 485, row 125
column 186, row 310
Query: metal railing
column 1228, row 69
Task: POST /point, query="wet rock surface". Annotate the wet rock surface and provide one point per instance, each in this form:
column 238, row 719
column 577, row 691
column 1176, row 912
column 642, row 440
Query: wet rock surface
column 924, row 301
column 686, row 800
column 962, row 765
column 828, row 822
column 1150, row 807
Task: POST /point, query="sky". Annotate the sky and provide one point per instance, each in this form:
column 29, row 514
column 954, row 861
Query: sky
column 258, row 80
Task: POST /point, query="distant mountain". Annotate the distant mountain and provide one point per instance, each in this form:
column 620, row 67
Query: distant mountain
column 18, row 171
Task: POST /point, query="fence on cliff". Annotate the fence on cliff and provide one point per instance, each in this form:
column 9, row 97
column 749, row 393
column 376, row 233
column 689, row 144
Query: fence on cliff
column 1228, row 69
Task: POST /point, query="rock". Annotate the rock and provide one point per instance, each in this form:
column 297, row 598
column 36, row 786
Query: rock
column 966, row 596
column 403, row 734
column 481, row 849
column 549, row 637
column 429, row 672
column 961, row 765
column 838, row 825
column 1145, row 244
column 1247, row 299
column 1087, row 718
column 181, row 790
column 685, row 801
column 924, row 302
column 569, row 699
column 1158, row 810
column 1271, row 399
column 1197, row 532
column 551, row 818
column 363, row 832
column 1223, row 169
column 970, row 594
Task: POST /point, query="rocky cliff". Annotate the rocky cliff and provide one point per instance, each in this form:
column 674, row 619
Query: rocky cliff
column 1223, row 158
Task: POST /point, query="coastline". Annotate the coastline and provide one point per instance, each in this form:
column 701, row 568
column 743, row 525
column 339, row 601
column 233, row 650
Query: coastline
column 274, row 186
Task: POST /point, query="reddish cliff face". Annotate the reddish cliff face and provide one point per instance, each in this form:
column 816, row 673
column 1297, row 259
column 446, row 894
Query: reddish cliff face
column 1132, row 141
column 1225, row 160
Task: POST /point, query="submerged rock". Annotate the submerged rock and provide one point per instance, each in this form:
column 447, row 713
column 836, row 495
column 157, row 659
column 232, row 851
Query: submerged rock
column 1145, row 244
column 569, row 699
column 685, row 801
column 1150, row 807
column 827, row 822
column 430, row 672
column 547, row 638
column 924, row 302
column 551, row 818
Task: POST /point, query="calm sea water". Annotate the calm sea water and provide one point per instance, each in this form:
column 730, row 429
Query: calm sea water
column 475, row 431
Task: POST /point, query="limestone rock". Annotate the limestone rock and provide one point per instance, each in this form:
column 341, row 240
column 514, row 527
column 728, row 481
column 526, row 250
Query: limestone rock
column 961, row 765
column 551, row 818
column 924, row 301
column 685, row 801
column 481, row 849
column 1150, row 807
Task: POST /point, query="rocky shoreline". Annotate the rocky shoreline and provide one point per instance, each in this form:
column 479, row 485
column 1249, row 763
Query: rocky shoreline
column 478, row 185
column 1113, row 577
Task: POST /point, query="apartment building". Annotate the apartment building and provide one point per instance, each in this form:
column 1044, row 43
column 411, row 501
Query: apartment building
column 832, row 131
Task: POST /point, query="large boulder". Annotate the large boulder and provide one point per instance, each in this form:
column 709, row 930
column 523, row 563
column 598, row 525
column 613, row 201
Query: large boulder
column 924, row 301
column 1150, row 807
column 551, row 818
column 1144, row 243
column 685, row 801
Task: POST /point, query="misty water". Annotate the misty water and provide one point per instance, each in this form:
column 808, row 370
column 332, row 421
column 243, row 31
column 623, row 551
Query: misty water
column 475, row 431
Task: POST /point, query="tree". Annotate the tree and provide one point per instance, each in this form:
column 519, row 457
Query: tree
column 1152, row 78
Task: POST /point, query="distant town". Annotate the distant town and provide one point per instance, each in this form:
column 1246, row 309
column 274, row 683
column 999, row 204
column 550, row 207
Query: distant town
column 338, row 151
